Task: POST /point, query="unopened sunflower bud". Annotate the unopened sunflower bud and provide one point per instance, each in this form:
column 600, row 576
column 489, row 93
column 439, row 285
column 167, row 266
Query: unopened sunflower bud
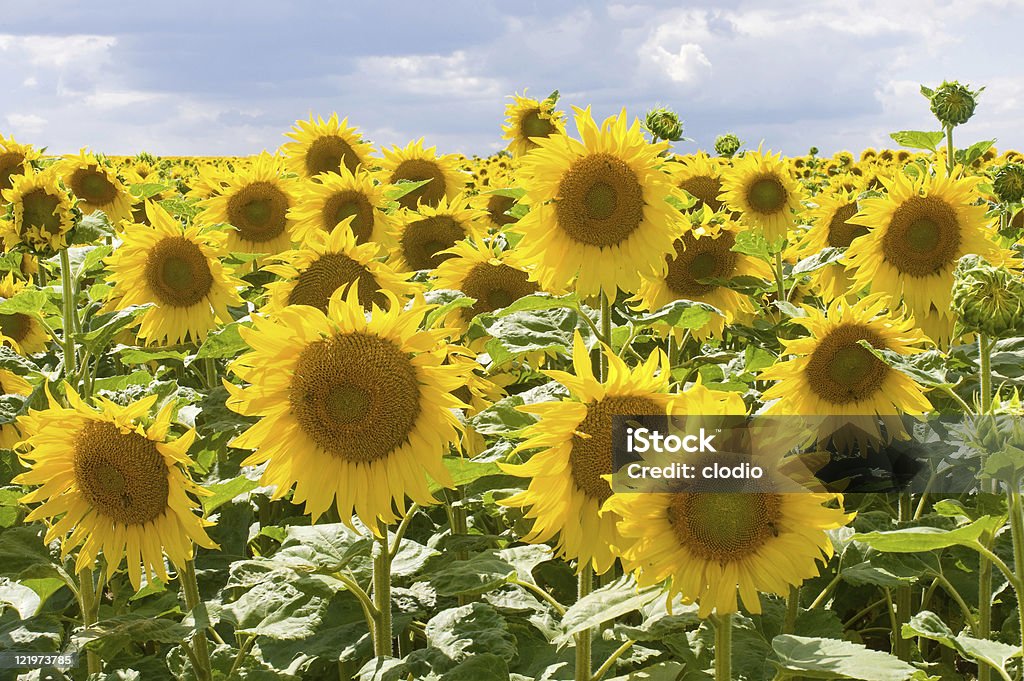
column 953, row 104
column 727, row 145
column 988, row 299
column 1008, row 182
column 665, row 124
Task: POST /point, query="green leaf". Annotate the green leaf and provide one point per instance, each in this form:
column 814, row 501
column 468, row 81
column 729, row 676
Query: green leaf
column 446, row 301
column 146, row 190
column 223, row 492
column 929, row 625
column 528, row 331
column 403, row 187
column 508, row 192
column 826, row 658
column 867, row 573
column 503, row 417
column 324, row 548
column 485, row 667
column 282, row 604
column 101, row 329
column 23, row 599
column 133, row 355
column 916, row 539
column 682, row 314
column 918, row 139
column 752, row 243
column 471, row 629
column 92, row 228
column 605, row 604
column 822, row 258
column 93, row 258
column 30, row 301
column 223, row 343
column 927, row 92
column 465, row 471
column 111, row 636
column 480, row 573
column 974, row 152
column 539, row 301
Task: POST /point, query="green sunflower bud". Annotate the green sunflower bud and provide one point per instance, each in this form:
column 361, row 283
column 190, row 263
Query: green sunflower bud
column 665, row 124
column 727, row 145
column 953, row 104
column 988, row 299
column 1008, row 182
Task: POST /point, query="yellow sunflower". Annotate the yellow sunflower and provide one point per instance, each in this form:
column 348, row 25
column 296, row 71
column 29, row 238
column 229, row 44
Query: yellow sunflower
column 414, row 163
column 14, row 159
column 355, row 409
column 496, row 204
column 830, row 227
column 917, row 233
column 179, row 271
column 710, row 545
column 12, row 384
column 832, row 375
column 493, row 277
column 599, row 210
column 96, row 185
column 702, row 253
column 759, row 187
column 255, row 202
column 321, row 205
column 328, row 262
column 425, row 235
column 42, row 211
column 527, row 118
column 325, row 147
column 567, row 489
column 21, row 331
column 701, row 177
column 110, row 483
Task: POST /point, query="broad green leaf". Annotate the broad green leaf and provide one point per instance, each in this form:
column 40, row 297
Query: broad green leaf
column 867, row 573
column 111, row 636
column 30, row 301
column 917, row 139
column 539, row 301
column 92, row 228
column 503, row 417
column 403, row 187
column 93, row 257
column 471, row 629
column 446, row 301
column 604, row 604
column 23, row 599
column 549, row 330
column 132, row 355
column 749, row 242
column 481, row 572
column 465, row 471
column 282, row 604
column 223, row 492
column 509, row 192
column 223, row 343
column 929, row 625
column 483, row 667
column 663, row 671
column 916, row 539
column 101, row 329
column 974, row 152
column 682, row 314
column 824, row 257
column 324, row 548
column 146, row 190
column 826, row 658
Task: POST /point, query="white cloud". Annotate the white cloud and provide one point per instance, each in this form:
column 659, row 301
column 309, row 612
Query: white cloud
column 432, row 75
column 26, row 123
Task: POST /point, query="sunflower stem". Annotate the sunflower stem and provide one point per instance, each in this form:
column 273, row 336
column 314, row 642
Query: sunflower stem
column 780, row 277
column 950, row 161
column 382, row 593
column 1016, row 510
column 723, row 647
column 792, row 609
column 90, row 614
column 190, row 589
column 583, row 639
column 904, row 595
column 70, row 312
column 606, row 334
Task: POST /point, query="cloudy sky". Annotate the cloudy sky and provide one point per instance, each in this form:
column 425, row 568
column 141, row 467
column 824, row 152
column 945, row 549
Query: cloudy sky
column 211, row 78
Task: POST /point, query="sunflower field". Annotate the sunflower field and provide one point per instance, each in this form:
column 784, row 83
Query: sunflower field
column 352, row 412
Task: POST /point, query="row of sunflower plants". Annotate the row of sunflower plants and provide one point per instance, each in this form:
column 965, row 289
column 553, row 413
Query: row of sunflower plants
column 341, row 412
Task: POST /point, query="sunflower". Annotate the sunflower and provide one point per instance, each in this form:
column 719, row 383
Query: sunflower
column 321, row 205
column 179, row 271
column 567, row 489
column 328, row 262
column 12, row 384
column 96, row 185
column 702, row 253
column 256, row 203
column 527, row 118
column 493, row 277
column 425, row 235
column 497, row 204
column 833, row 375
column 599, row 212
column 917, row 233
column 759, row 187
column 42, row 211
column 700, row 177
column 117, row 485
column 325, row 147
column 830, row 227
column 709, row 544
column 415, row 164
column 14, row 159
column 21, row 331
column 355, row 408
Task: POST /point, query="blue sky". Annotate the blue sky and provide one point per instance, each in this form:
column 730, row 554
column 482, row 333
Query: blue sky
column 208, row 77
